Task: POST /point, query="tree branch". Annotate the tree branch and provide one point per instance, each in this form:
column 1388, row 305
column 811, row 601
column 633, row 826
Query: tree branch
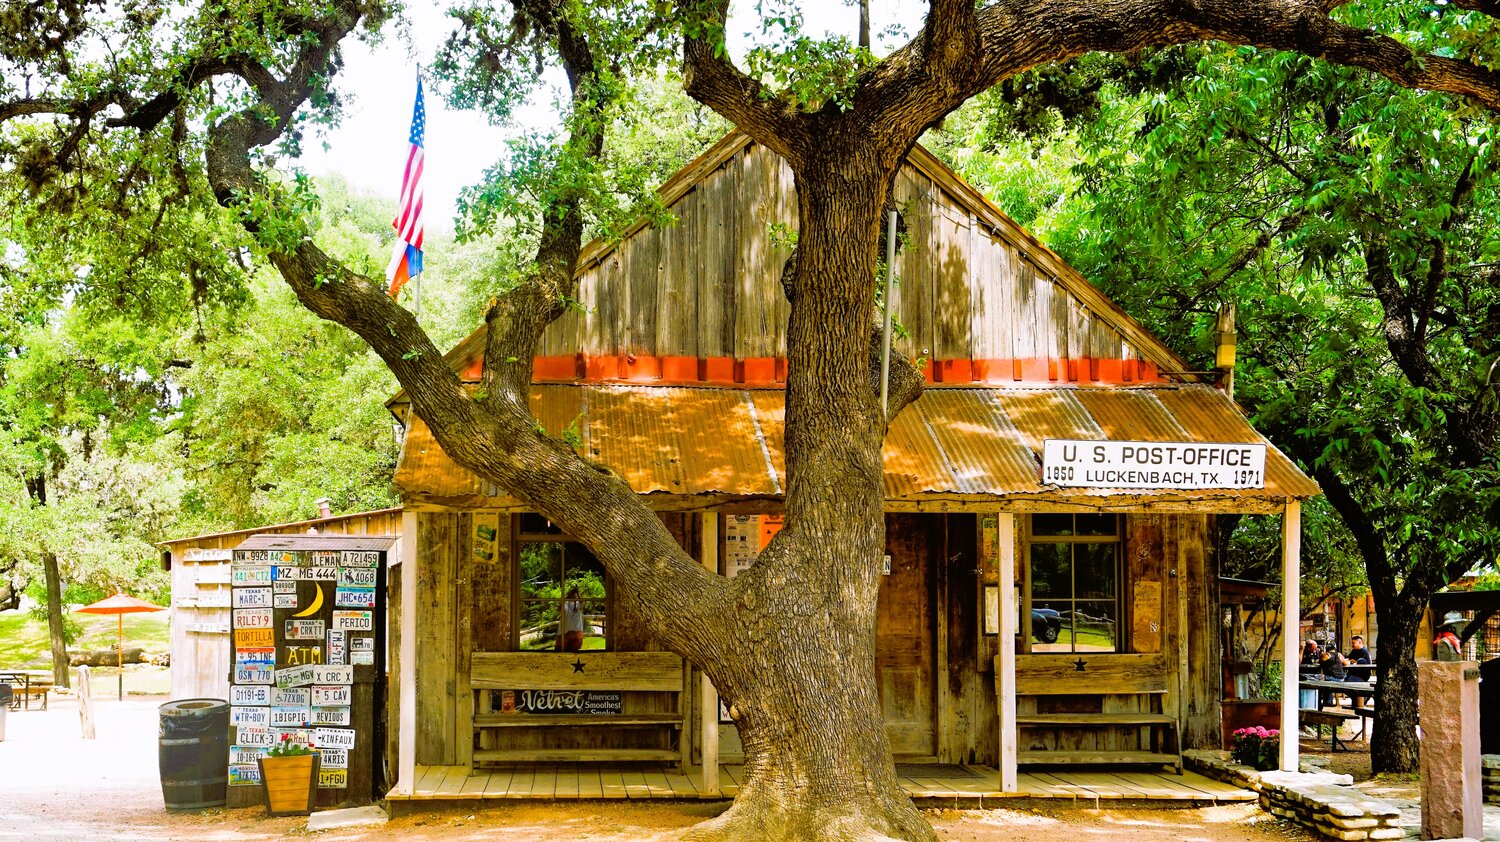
column 712, row 79
column 498, row 440
column 1437, row 267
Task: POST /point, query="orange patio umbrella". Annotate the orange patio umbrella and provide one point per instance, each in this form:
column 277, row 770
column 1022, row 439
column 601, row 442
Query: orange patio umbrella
column 119, row 605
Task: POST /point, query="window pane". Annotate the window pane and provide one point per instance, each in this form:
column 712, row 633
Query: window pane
column 582, row 572
column 1094, row 574
column 1051, row 571
column 539, row 622
column 1050, row 627
column 535, row 524
column 541, row 570
column 1052, row 524
column 595, row 626
column 1094, row 627
column 1098, row 524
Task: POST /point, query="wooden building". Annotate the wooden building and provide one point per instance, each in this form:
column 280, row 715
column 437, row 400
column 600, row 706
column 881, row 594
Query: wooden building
column 672, row 378
column 200, row 565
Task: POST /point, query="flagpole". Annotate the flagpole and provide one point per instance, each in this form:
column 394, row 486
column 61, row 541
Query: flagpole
column 416, row 293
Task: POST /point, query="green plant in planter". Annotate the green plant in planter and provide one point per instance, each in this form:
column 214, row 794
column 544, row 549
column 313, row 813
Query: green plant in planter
column 287, row 748
column 1257, row 747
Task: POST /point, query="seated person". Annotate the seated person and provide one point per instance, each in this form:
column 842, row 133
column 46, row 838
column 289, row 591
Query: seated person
column 1331, row 664
column 1358, row 654
column 1310, row 653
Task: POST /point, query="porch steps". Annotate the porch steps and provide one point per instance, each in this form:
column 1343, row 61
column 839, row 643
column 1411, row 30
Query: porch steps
column 1043, row 758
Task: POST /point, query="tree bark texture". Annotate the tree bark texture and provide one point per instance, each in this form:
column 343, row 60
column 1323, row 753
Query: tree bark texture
column 36, row 487
column 1394, row 747
column 55, row 619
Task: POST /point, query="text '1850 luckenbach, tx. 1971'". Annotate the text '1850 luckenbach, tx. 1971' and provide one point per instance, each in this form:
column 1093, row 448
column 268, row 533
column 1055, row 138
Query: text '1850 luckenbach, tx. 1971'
column 1153, row 464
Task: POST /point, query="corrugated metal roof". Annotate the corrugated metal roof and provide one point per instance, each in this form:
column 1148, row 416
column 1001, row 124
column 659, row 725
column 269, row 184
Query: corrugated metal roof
column 376, row 543
column 967, row 442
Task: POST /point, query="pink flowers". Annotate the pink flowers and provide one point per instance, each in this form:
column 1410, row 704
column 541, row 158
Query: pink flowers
column 1257, row 747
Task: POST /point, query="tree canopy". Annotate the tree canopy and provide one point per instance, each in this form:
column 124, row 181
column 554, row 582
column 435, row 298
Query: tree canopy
column 166, row 126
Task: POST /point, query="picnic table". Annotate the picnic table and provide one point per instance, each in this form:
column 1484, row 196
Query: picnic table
column 26, row 686
column 1318, row 716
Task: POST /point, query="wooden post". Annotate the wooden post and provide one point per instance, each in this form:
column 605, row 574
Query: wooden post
column 406, row 740
column 709, row 709
column 1005, row 679
column 1291, row 614
column 86, row 703
column 120, row 654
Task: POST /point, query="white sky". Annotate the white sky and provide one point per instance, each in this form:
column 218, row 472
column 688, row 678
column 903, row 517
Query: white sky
column 369, row 147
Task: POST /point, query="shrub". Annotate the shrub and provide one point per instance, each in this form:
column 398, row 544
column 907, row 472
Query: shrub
column 1258, row 747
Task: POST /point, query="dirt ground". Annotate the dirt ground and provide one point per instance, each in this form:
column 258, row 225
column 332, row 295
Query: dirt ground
column 56, row 786
column 88, row 819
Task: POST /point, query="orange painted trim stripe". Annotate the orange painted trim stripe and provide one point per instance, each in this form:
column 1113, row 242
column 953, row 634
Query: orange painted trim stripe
column 771, row 371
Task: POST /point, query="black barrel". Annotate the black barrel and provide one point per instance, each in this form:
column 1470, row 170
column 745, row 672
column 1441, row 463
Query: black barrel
column 194, row 745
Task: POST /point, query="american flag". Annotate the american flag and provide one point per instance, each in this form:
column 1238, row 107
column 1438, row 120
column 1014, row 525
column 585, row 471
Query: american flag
column 406, row 259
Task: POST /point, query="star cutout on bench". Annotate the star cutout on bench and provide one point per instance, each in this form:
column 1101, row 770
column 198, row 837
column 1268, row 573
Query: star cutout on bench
column 1079, row 665
column 578, row 665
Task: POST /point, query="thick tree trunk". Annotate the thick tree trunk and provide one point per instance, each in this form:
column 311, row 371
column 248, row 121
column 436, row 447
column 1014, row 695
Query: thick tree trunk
column 55, row 620
column 36, row 487
column 817, row 762
column 1393, row 748
column 802, row 687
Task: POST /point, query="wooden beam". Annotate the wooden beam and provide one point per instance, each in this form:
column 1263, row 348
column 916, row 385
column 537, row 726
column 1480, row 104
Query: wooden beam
column 932, row 503
column 1005, row 677
column 406, row 744
column 1291, row 602
column 709, row 708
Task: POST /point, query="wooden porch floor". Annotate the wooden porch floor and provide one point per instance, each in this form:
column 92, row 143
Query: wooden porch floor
column 565, row 781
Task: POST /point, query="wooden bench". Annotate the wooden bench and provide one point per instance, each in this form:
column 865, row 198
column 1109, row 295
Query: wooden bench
column 627, row 672
column 1332, row 718
column 25, row 686
column 1115, row 678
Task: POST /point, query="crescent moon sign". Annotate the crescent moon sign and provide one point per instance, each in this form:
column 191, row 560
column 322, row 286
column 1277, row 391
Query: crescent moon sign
column 316, row 603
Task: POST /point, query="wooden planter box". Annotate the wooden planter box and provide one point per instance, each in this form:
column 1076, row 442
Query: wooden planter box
column 1248, row 713
column 290, row 783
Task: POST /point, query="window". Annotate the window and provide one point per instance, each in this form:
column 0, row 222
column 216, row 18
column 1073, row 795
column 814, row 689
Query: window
column 563, row 604
column 1074, row 563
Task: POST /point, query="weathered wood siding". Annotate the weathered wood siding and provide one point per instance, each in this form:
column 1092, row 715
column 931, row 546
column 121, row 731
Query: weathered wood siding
column 1169, row 555
column 199, row 642
column 708, row 285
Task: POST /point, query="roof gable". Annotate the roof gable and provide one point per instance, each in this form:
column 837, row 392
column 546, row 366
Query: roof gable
column 699, row 302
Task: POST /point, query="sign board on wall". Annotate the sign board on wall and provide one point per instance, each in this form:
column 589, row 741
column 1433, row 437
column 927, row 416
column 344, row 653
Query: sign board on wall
column 1153, row 464
column 293, row 637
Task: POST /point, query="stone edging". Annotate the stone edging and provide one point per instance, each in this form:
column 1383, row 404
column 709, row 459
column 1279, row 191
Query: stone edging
column 1322, row 802
column 1491, row 763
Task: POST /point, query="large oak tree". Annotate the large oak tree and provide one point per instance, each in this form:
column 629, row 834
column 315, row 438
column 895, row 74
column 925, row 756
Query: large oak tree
column 201, row 94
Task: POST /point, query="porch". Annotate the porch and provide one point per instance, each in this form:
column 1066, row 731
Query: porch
column 968, row 786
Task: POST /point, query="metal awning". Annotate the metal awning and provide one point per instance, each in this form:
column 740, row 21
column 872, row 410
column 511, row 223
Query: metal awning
column 687, row 447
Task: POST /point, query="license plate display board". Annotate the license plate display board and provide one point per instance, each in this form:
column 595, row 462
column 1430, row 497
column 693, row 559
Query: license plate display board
column 307, row 626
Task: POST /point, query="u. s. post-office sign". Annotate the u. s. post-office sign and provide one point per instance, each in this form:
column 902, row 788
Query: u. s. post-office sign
column 1153, row 464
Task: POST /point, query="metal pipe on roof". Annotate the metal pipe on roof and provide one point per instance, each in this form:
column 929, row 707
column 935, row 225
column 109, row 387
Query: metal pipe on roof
column 885, row 353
